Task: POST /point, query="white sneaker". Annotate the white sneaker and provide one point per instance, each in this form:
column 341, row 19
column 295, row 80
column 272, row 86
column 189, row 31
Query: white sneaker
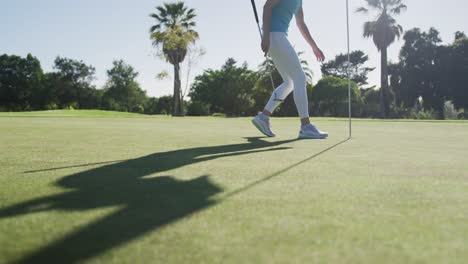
column 262, row 122
column 311, row 132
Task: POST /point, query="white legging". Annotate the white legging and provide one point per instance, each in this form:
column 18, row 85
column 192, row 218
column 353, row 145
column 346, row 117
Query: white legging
column 286, row 61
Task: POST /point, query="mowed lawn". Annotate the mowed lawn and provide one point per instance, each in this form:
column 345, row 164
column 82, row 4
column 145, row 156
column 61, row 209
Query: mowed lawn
column 110, row 189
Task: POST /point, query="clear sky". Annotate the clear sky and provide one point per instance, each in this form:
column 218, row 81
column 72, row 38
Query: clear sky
column 99, row 31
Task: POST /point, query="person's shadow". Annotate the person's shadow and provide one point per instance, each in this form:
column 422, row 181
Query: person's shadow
column 146, row 203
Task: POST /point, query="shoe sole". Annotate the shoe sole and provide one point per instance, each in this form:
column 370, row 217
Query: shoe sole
column 307, row 137
column 260, row 128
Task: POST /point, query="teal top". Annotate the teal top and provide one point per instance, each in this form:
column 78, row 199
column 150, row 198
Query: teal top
column 282, row 15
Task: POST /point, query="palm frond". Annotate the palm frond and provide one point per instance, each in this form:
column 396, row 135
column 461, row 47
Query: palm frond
column 398, row 9
column 174, row 30
column 155, row 28
column 155, row 16
column 397, row 30
column 375, row 4
column 162, row 11
column 369, row 29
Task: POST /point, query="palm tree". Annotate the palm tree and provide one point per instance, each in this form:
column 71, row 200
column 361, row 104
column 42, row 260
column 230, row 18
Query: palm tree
column 384, row 30
column 174, row 32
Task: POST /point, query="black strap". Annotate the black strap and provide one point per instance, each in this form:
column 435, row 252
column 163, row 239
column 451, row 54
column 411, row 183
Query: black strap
column 277, row 99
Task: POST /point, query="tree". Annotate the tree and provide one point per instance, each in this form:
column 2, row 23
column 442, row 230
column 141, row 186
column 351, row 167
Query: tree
column 459, row 70
column 459, row 35
column 384, row 31
column 165, row 105
column 76, row 77
column 174, row 32
column 123, row 93
column 330, row 97
column 159, row 106
column 151, row 106
column 194, row 53
column 371, row 100
column 19, row 79
column 395, row 71
column 228, row 90
column 426, row 70
column 198, row 109
column 339, row 67
column 51, row 92
column 92, row 98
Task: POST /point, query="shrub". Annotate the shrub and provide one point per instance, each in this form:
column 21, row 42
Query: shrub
column 424, row 115
column 198, row 109
column 138, row 109
column 399, row 112
column 330, row 97
column 71, row 106
column 449, row 111
column 371, row 106
column 51, row 106
column 462, row 115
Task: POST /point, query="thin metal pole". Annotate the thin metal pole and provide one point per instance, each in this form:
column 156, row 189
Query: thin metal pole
column 348, row 70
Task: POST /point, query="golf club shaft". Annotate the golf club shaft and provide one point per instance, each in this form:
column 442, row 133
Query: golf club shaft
column 254, row 6
column 260, row 31
column 266, row 56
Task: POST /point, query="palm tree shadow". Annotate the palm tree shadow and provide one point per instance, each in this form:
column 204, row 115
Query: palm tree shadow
column 146, row 204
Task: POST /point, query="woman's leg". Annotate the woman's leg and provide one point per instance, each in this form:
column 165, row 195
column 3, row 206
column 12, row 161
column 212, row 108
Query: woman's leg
column 279, row 95
column 287, row 62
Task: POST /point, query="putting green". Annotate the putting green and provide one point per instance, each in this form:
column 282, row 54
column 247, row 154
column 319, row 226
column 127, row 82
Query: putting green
column 211, row 190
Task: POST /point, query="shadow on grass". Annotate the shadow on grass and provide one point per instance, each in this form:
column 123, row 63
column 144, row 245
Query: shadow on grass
column 146, row 204
column 75, row 166
column 278, row 173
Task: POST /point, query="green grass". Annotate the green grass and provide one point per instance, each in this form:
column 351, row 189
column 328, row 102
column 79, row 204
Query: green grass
column 70, row 113
column 101, row 113
column 209, row 190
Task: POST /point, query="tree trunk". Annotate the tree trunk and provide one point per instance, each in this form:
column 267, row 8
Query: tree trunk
column 178, row 109
column 384, row 94
column 78, row 97
column 440, row 108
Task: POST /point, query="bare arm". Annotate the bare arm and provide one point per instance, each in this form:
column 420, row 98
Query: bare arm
column 267, row 10
column 307, row 36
